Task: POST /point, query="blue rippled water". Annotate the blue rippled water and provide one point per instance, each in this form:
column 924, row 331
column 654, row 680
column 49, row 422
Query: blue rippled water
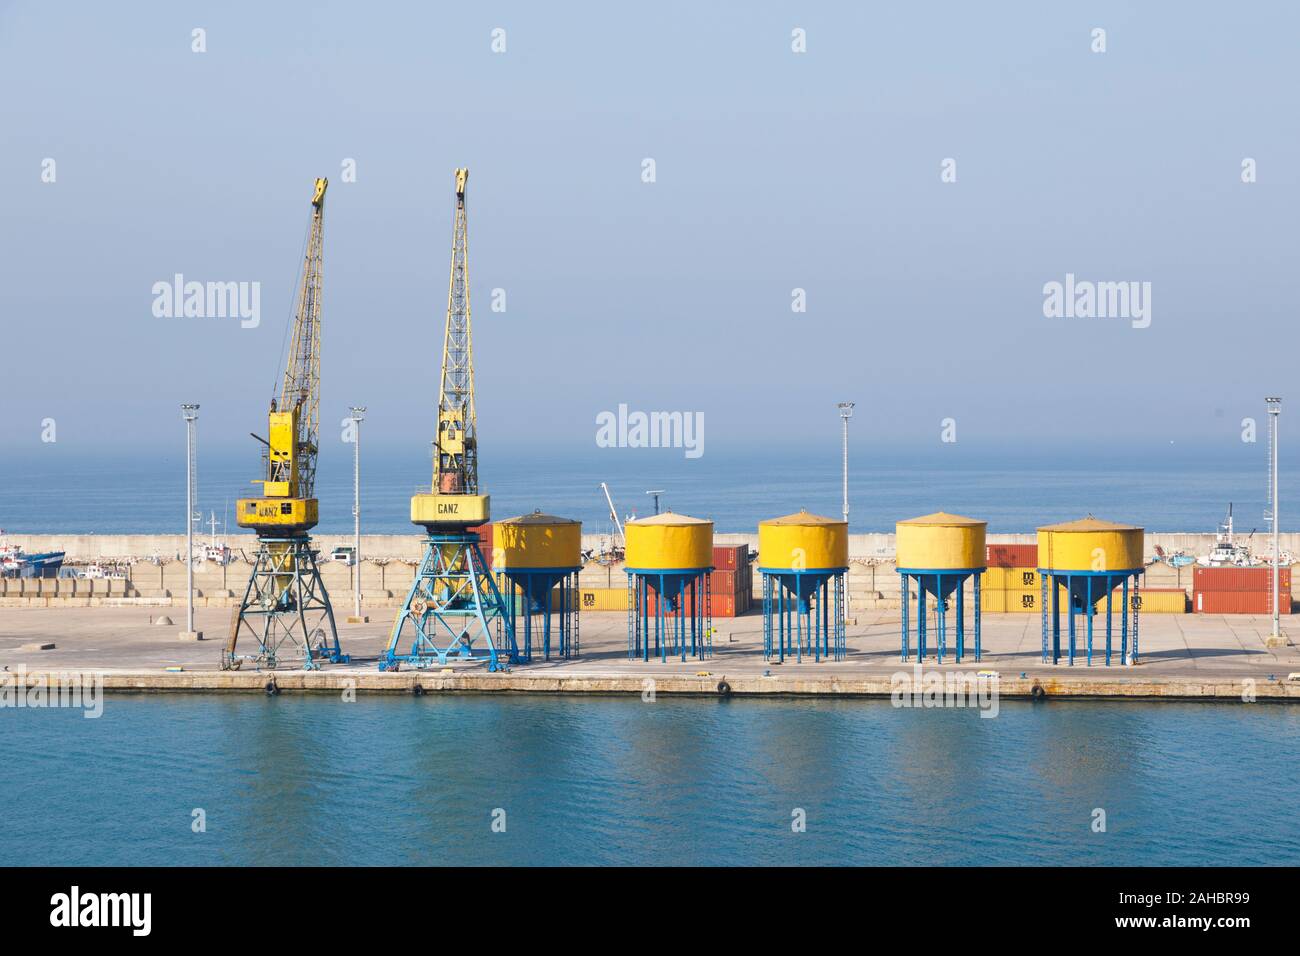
column 294, row 780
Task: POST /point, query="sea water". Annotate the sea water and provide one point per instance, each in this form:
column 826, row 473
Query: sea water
column 239, row 780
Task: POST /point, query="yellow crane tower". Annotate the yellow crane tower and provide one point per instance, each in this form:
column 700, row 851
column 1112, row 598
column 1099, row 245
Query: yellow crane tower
column 286, row 608
column 454, row 599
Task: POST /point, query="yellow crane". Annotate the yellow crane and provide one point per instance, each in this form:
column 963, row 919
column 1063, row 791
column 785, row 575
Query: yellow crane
column 453, row 501
column 286, row 608
column 454, row 599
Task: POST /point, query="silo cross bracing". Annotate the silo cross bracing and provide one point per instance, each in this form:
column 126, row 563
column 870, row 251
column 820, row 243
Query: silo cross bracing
column 540, row 556
column 939, row 552
column 669, row 558
column 1083, row 562
column 803, row 559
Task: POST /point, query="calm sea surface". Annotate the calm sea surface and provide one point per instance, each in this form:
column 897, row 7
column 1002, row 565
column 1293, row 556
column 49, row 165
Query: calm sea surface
column 294, row 780
column 1166, row 488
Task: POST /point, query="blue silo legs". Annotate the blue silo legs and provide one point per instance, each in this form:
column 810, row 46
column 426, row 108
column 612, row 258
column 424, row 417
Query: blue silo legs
column 906, row 603
column 1123, row 628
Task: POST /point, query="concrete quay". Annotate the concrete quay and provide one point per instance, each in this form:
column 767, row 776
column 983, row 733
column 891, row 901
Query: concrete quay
column 1223, row 658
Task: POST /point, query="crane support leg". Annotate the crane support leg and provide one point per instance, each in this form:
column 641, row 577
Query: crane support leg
column 450, row 610
column 285, row 610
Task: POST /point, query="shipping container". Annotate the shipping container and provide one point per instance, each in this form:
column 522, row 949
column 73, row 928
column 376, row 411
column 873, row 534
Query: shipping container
column 730, row 582
column 1013, row 555
column 1240, row 579
column 1237, row 602
column 1021, row 579
column 993, row 601
column 720, row 605
column 1145, row 600
column 1160, row 601
column 602, row 599
column 731, row 557
column 484, row 532
column 1023, row 600
column 1009, row 579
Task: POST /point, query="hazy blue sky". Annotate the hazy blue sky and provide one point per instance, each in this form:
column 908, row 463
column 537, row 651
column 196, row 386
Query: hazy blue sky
column 775, row 170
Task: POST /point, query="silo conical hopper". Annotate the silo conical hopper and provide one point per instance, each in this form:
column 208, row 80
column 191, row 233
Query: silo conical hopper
column 1086, row 560
column 803, row 559
column 940, row 552
column 541, row 555
column 669, row 558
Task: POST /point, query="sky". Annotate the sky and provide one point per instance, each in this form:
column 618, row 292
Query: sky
column 774, row 171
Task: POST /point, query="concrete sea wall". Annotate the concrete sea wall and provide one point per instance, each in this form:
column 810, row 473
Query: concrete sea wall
column 389, row 567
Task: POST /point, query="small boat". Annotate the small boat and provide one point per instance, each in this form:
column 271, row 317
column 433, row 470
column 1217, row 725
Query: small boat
column 1226, row 551
column 15, row 563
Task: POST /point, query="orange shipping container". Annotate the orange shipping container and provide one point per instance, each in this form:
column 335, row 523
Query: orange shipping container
column 720, row 605
column 731, row 557
column 1013, row 555
column 1237, row 602
column 729, row 582
column 1240, row 579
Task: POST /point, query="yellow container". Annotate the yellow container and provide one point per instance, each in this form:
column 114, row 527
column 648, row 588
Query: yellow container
column 1024, row 600
column 996, row 579
column 1090, row 544
column 602, row 599
column 1147, row 602
column 993, row 601
column 536, row 541
column 669, row 542
column 940, row 541
column 1022, row 579
column 803, row 542
column 1161, row 602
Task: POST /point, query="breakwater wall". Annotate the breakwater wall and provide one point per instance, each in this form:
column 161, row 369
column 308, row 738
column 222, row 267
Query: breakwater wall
column 85, row 548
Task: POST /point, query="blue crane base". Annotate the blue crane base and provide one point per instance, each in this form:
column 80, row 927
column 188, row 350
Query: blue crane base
column 285, row 609
column 450, row 609
column 1085, row 590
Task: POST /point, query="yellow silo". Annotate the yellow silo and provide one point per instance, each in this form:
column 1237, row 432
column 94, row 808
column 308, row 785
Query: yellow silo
column 669, row 542
column 540, row 555
column 1083, row 561
column 803, row 542
column 803, row 559
column 940, row 542
column 536, row 541
column 1089, row 544
column 669, row 558
column 939, row 552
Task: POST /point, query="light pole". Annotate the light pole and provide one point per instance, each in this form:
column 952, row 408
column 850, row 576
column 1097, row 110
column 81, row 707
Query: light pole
column 1274, row 408
column 190, row 413
column 846, row 412
column 358, row 414
column 656, row 494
